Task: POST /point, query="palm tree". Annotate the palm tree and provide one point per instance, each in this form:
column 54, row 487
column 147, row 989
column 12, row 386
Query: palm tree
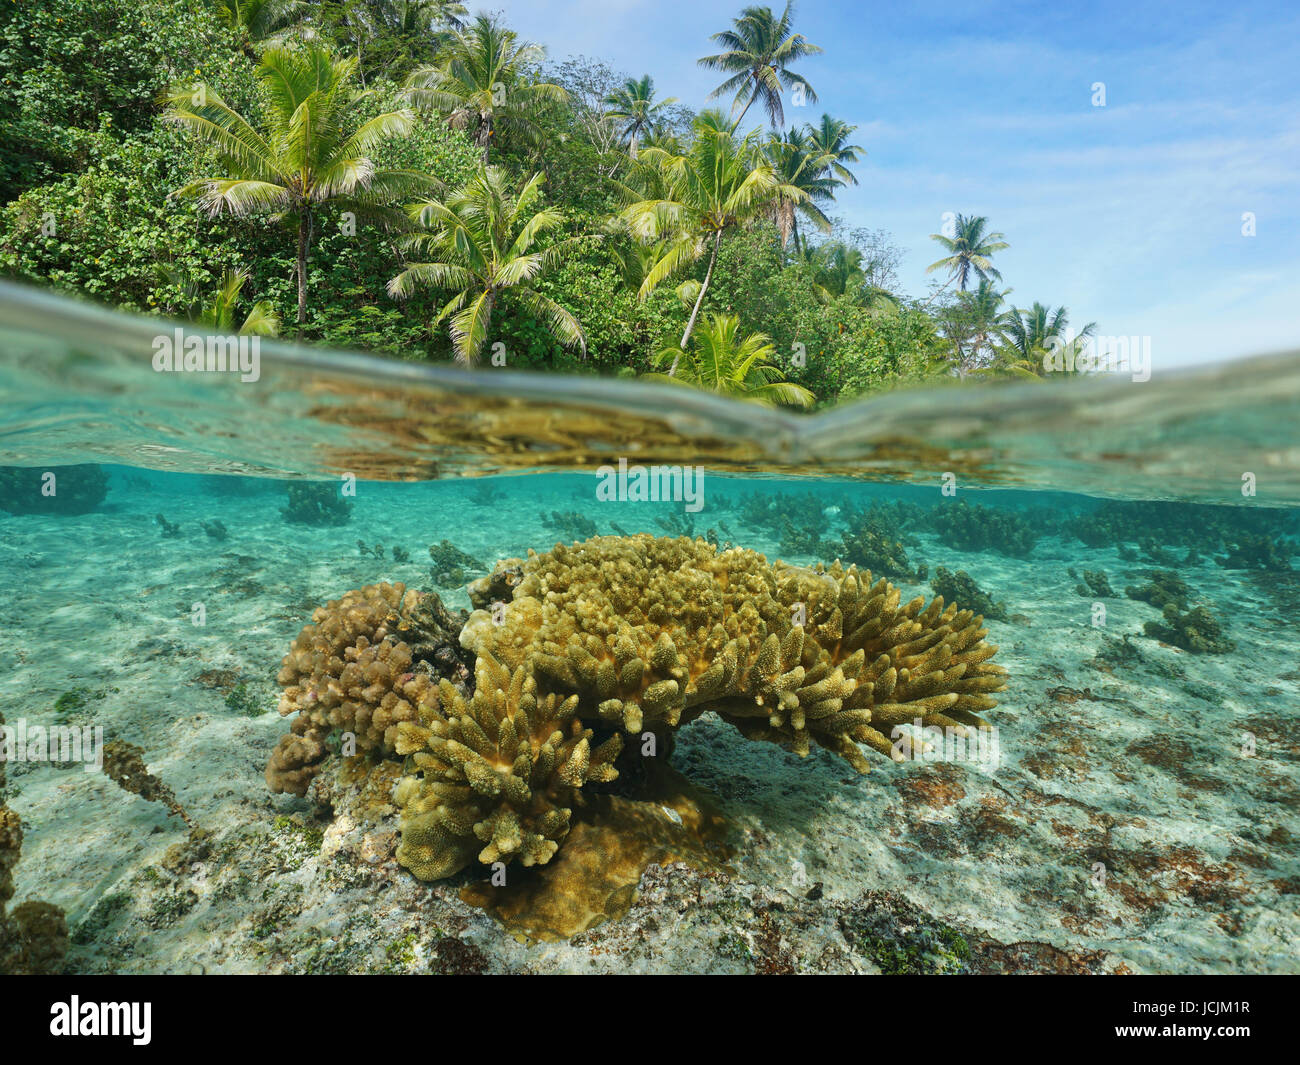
column 985, row 319
column 722, row 361
column 480, row 243
column 261, row 21
column 641, row 113
column 798, row 164
column 482, row 85
column 759, row 51
column 220, row 312
column 828, row 140
column 303, row 156
column 969, row 249
column 693, row 199
column 1031, row 334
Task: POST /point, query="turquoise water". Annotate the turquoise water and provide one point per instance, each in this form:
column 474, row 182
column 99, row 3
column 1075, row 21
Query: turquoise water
column 1146, row 804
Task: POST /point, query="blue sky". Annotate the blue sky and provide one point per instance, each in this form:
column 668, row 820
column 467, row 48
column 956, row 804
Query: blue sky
column 1128, row 214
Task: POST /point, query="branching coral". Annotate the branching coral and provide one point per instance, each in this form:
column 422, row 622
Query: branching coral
column 971, row 527
column 315, row 503
column 651, row 632
column 361, row 667
column 633, row 635
column 500, row 771
column 961, row 585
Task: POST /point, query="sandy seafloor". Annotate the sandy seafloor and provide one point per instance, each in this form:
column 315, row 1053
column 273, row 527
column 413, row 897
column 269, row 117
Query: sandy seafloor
column 1128, row 757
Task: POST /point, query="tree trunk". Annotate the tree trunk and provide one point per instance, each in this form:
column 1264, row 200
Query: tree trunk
column 695, row 311
column 631, row 149
column 302, row 267
column 754, row 96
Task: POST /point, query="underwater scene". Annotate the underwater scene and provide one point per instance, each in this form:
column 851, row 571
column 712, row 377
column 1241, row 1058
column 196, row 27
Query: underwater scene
column 363, row 667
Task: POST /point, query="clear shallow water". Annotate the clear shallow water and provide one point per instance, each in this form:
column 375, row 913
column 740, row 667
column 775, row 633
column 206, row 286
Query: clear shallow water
column 1118, row 746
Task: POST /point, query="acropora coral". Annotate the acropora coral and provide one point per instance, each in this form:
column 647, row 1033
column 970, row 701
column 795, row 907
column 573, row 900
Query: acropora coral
column 360, row 667
column 961, row 586
column 451, row 565
column 618, row 635
column 972, row 527
column 315, row 503
column 1094, row 585
column 1195, row 630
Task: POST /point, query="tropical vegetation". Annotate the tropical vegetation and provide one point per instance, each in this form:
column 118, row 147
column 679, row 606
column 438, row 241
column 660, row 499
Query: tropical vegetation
column 412, row 179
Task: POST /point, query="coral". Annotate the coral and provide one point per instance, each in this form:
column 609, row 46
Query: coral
column 33, row 935
column 1163, row 587
column 124, row 766
column 1153, row 552
column 361, row 667
column 652, row 632
column 500, row 773
column 315, row 503
column 451, row 566
column 1195, row 525
column 1257, row 551
column 1197, row 630
column 623, row 634
column 875, row 551
column 400, row 554
column 52, row 490
column 773, row 511
column 972, row 527
column 569, row 524
column 961, row 586
column 1095, row 585
column 169, row 528
column 373, row 552
column 216, row 529
column 795, row 540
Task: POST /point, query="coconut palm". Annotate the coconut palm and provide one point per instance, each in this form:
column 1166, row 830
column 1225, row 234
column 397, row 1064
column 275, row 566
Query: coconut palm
column 797, row 163
column 828, row 139
column 220, row 312
column 1032, row 333
column 261, row 21
column 640, row 112
column 480, row 243
column 483, row 85
column 304, row 155
column 759, row 51
column 969, row 250
column 721, row 360
column 689, row 201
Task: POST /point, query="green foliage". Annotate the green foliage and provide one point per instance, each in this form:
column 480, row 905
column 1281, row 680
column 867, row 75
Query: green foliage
column 655, row 219
column 71, row 69
column 721, row 359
